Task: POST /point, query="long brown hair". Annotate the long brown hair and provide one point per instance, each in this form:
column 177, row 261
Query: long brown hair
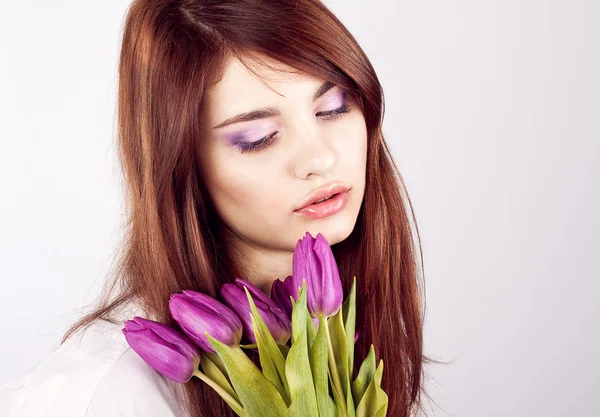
column 172, row 51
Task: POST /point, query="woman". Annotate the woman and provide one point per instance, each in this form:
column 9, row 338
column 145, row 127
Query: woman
column 235, row 116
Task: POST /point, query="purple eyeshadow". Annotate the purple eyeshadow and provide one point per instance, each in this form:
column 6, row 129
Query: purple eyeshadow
column 336, row 101
column 247, row 135
column 257, row 133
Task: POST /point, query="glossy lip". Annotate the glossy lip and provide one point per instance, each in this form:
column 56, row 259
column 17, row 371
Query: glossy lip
column 326, row 208
column 321, row 193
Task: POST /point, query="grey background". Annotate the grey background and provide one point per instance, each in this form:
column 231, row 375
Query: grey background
column 492, row 111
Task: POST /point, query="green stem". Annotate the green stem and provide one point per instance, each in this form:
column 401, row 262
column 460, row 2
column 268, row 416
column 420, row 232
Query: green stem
column 224, row 394
column 334, row 372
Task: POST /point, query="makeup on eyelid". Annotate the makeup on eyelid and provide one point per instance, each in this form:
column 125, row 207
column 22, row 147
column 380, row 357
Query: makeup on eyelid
column 335, row 101
column 247, row 137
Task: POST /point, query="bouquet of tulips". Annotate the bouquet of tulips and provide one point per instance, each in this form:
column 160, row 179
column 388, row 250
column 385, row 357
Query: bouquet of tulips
column 309, row 376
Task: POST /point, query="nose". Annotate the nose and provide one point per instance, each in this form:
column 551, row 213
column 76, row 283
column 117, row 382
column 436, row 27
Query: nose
column 315, row 155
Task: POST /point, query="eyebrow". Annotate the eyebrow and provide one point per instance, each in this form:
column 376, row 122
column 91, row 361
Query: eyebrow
column 269, row 111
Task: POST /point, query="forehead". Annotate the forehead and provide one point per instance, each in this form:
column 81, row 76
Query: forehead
column 267, row 82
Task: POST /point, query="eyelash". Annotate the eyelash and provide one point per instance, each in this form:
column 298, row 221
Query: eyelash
column 262, row 144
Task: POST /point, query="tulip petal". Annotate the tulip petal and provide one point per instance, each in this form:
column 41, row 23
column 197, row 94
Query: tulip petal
column 313, row 260
column 274, row 316
column 232, row 295
column 217, row 308
column 194, row 319
column 281, row 292
column 260, row 299
column 330, row 285
column 160, row 355
column 133, row 324
column 185, row 346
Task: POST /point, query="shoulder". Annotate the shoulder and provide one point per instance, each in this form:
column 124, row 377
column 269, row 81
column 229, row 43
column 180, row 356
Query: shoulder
column 91, row 375
column 132, row 388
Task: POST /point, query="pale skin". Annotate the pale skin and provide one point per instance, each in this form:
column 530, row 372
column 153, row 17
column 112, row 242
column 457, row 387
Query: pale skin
column 256, row 192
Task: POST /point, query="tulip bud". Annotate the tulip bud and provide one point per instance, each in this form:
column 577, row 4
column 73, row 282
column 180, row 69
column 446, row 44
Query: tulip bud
column 197, row 313
column 274, row 317
column 281, row 292
column 165, row 349
column 314, row 262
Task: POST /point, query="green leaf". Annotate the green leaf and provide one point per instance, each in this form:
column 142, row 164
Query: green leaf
column 297, row 364
column 271, row 359
column 213, row 372
column 214, row 358
column 299, row 314
column 365, row 375
column 319, row 366
column 312, row 331
column 337, row 396
column 284, row 350
column 340, row 350
column 257, row 394
column 350, row 326
column 375, row 401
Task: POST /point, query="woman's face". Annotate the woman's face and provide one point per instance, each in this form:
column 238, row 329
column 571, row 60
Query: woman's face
column 259, row 172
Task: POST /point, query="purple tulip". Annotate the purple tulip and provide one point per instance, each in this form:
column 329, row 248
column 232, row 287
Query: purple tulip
column 281, row 292
column 165, row 349
column 313, row 261
column 274, row 316
column 197, row 313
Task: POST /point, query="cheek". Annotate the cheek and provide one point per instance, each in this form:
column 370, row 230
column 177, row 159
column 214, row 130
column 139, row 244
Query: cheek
column 354, row 149
column 243, row 192
column 353, row 161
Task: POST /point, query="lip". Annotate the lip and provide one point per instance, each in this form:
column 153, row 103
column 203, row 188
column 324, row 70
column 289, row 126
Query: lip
column 322, row 193
column 328, row 207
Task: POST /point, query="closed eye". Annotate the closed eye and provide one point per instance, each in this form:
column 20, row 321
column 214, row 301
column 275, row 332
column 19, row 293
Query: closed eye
column 264, row 142
column 336, row 113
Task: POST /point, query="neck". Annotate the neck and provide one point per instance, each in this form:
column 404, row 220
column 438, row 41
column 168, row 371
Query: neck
column 260, row 265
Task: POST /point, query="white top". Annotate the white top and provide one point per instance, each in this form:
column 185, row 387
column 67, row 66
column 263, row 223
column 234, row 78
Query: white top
column 97, row 375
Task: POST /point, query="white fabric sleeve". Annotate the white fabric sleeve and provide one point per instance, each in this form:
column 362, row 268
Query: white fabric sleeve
column 131, row 388
column 97, row 375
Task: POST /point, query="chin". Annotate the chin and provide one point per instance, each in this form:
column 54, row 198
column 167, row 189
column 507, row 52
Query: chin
column 335, row 228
